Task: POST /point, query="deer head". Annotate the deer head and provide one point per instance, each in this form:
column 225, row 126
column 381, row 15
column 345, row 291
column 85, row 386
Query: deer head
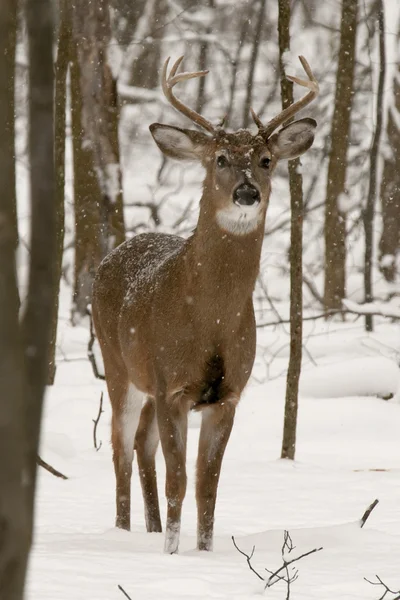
column 238, row 165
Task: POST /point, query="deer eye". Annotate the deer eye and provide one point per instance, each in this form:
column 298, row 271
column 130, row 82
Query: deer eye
column 265, row 162
column 222, row 161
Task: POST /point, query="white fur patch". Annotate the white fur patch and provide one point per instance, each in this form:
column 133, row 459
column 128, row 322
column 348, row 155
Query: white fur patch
column 130, row 418
column 240, row 219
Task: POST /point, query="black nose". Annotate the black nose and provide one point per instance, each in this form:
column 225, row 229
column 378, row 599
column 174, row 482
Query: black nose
column 246, row 195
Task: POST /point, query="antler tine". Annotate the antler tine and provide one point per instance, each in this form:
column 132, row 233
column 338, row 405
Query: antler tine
column 290, row 111
column 168, row 82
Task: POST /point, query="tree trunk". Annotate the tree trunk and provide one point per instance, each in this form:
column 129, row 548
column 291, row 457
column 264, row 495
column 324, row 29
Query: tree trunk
column 203, row 64
column 335, row 218
column 14, row 529
column 296, row 250
column 389, row 245
column 369, row 211
column 61, row 70
column 253, row 62
column 99, row 222
column 37, row 320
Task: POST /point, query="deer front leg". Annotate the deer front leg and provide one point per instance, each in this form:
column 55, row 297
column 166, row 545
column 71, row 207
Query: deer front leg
column 216, row 426
column 172, row 425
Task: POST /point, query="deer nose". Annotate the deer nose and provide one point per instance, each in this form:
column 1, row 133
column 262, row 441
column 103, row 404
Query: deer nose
column 246, row 195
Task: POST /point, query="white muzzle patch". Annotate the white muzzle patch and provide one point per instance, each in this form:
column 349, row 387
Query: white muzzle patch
column 240, row 219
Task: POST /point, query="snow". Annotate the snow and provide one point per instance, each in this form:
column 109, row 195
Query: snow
column 347, row 455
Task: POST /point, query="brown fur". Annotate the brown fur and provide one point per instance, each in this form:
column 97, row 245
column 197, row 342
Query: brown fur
column 175, row 318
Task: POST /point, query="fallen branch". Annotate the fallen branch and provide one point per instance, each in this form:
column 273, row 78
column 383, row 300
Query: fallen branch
column 96, row 422
column 368, row 512
column 385, row 587
column 49, row 468
column 90, row 353
column 124, row 592
column 275, row 576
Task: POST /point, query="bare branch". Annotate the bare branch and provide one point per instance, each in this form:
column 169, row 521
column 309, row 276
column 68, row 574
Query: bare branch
column 248, row 558
column 369, row 510
column 385, row 587
column 96, row 422
column 124, row 592
column 49, row 468
column 90, row 353
column 275, row 576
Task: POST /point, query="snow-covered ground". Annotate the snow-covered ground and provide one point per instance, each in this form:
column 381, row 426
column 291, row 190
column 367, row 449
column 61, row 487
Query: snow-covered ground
column 348, row 454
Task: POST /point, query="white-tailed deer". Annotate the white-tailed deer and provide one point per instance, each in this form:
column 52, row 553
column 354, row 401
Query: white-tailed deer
column 174, row 317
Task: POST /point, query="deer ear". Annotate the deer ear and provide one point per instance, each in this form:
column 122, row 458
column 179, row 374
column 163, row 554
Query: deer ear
column 181, row 144
column 293, row 140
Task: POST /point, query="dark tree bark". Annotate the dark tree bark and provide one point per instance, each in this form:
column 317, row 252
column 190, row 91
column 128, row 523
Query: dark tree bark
column 99, row 222
column 369, row 211
column 253, row 62
column 296, row 250
column 203, row 64
column 335, row 219
column 37, row 320
column 145, row 68
column 14, row 528
column 389, row 244
column 61, row 70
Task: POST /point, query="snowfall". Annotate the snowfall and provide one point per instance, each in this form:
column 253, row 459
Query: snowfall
column 347, row 455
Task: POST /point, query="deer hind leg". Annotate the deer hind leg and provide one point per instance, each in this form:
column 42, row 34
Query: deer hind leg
column 216, row 426
column 127, row 402
column 172, row 425
column 146, row 444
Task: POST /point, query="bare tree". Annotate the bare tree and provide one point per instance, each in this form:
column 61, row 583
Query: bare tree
column 13, row 523
column 99, row 222
column 369, row 211
column 296, row 249
column 335, row 218
column 24, row 349
column 37, row 319
column 253, row 61
column 61, row 70
column 389, row 244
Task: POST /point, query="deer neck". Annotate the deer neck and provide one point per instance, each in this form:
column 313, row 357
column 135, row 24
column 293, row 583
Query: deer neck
column 222, row 267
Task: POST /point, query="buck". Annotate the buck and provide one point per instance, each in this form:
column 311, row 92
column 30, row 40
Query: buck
column 174, row 317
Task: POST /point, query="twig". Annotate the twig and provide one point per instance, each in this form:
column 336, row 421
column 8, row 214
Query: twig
column 386, row 588
column 124, row 592
column 275, row 576
column 369, row 510
column 49, row 468
column 248, row 558
column 90, row 353
column 96, row 422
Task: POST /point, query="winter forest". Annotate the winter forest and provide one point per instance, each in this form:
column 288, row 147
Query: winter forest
column 244, row 205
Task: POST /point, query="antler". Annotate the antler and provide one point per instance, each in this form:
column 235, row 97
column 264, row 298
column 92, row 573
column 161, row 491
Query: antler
column 290, row 111
column 169, row 82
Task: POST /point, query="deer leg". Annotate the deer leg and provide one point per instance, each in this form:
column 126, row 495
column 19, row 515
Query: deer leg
column 125, row 419
column 146, row 444
column 172, row 425
column 215, row 430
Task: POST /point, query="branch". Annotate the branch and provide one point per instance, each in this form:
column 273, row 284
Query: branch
column 248, row 558
column 369, row 510
column 275, row 576
column 386, row 588
column 96, row 422
column 91, row 356
column 49, row 468
column 124, row 592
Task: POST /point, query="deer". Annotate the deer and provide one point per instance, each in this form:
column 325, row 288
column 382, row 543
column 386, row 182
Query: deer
column 174, row 317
